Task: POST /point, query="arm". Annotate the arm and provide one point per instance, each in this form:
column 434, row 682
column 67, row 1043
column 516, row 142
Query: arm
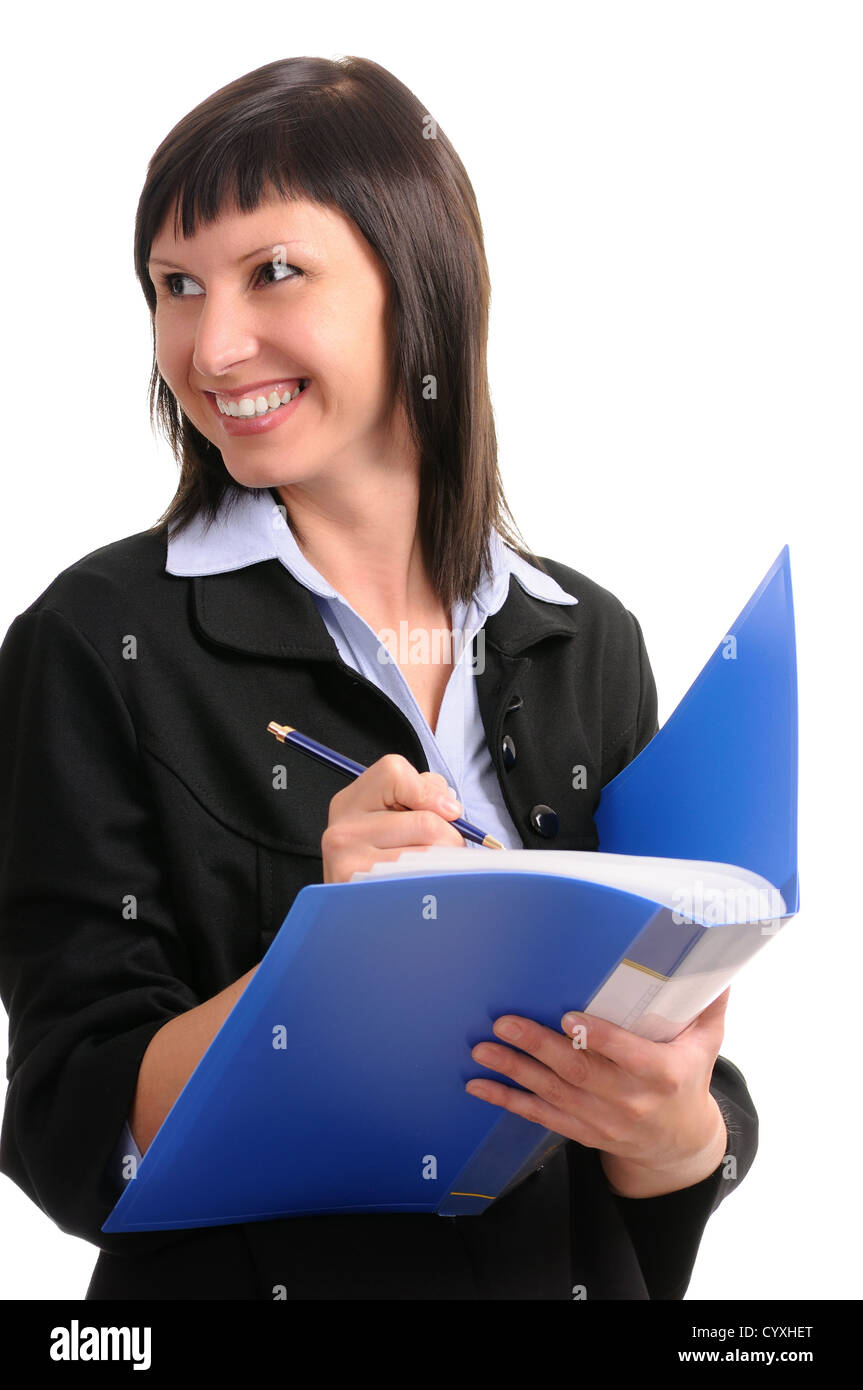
column 93, row 962
column 666, row 1228
column 666, row 1231
column 654, row 1118
column 172, row 1055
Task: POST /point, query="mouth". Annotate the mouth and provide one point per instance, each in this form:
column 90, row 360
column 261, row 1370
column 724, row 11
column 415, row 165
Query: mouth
column 259, row 411
column 253, row 402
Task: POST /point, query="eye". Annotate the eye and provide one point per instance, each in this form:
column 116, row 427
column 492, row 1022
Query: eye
column 170, row 282
column 173, row 279
column 279, row 265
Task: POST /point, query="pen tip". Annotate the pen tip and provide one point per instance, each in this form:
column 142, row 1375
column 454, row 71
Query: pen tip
column 492, row 843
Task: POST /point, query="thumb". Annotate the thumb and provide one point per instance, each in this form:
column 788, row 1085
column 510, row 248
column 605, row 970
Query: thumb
column 709, row 1026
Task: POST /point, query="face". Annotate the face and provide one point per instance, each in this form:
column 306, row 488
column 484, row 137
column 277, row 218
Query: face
column 255, row 304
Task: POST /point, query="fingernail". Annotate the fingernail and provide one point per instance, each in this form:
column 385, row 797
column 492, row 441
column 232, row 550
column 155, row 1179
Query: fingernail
column 449, row 806
column 508, row 1029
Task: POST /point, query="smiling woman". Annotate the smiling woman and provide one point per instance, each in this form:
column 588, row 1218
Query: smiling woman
column 332, row 235
column 311, row 254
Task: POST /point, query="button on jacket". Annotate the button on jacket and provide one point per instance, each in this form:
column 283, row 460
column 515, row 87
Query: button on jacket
column 150, row 854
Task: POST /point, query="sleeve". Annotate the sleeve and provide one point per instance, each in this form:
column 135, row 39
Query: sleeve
column 666, row 1231
column 92, row 961
column 640, row 721
column 647, row 719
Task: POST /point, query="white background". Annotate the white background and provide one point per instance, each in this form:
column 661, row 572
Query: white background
column 671, row 200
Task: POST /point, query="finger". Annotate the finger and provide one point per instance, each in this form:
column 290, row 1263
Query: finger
column 553, row 1084
column 533, row 1108
column 433, row 793
column 650, row 1061
column 392, row 783
column 550, row 1052
column 436, row 795
column 410, row 829
column 399, row 830
column 634, row 1055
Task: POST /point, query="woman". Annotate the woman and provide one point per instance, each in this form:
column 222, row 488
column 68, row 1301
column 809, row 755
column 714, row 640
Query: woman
column 311, row 253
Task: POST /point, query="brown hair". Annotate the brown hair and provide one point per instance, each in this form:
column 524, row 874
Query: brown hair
column 348, row 134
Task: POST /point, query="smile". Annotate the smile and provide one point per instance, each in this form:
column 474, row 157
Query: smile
column 246, row 407
column 258, row 414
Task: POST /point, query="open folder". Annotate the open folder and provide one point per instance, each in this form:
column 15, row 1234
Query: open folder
column 336, row 1083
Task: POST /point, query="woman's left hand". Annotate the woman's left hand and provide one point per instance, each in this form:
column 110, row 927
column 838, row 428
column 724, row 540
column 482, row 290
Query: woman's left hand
column 645, row 1105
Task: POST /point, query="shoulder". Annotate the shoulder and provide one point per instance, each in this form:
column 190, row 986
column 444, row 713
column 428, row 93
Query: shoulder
column 597, row 652
column 123, row 576
column 599, row 616
column 612, row 662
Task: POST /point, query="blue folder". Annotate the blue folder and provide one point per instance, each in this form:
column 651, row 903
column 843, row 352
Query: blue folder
column 336, row 1083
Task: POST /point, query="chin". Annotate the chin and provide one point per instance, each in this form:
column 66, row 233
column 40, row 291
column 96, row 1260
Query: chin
column 258, row 475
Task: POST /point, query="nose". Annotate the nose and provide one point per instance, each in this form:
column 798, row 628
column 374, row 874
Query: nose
column 224, row 334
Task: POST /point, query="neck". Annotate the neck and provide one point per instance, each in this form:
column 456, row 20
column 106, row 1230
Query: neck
column 366, row 546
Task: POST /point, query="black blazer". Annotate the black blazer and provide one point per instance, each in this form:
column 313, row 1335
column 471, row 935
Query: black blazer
column 148, row 861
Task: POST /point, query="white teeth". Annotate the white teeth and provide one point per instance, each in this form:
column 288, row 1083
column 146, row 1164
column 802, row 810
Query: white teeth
column 258, row 405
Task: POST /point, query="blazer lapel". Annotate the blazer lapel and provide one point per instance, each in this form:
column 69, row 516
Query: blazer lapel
column 263, row 610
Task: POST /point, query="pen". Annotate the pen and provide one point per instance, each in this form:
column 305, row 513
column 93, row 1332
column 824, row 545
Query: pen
column 285, row 734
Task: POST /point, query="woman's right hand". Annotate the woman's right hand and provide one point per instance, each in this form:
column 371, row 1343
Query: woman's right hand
column 389, row 808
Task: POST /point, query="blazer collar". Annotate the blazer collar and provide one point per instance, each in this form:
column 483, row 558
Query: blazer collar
column 253, row 589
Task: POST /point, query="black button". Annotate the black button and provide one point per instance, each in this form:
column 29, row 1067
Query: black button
column 508, row 747
column 515, row 702
column 544, row 821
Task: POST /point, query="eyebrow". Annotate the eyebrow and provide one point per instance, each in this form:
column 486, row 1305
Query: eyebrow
column 270, row 245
